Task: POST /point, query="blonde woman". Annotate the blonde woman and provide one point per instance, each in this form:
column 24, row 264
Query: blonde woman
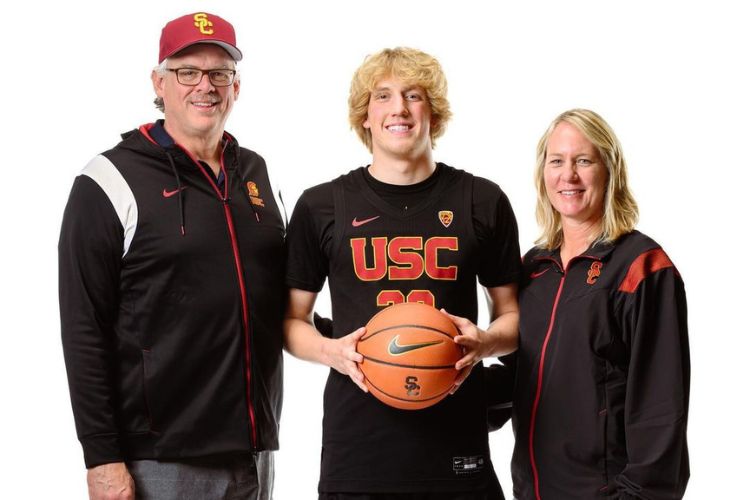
column 603, row 373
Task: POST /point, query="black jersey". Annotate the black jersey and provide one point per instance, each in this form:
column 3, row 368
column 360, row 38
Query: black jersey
column 375, row 254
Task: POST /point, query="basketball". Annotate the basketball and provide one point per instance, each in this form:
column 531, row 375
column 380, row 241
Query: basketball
column 409, row 356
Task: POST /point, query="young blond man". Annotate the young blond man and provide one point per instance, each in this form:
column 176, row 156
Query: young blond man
column 403, row 228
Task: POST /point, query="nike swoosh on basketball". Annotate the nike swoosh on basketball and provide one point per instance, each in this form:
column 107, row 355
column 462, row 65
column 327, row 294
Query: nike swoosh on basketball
column 169, row 194
column 536, row 275
column 395, row 349
column 357, row 223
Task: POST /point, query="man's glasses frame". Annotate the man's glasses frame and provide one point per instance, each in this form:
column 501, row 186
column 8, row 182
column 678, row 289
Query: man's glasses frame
column 218, row 77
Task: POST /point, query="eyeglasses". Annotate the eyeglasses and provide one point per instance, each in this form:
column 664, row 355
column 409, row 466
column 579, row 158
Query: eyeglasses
column 193, row 76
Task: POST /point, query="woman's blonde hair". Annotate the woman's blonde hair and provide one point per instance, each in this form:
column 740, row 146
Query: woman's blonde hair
column 620, row 207
column 412, row 67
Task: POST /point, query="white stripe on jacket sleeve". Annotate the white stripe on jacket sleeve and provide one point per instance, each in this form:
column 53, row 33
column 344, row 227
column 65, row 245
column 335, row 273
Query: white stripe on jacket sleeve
column 105, row 174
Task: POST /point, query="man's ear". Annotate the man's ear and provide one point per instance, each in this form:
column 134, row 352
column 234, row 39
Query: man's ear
column 157, row 80
column 236, row 88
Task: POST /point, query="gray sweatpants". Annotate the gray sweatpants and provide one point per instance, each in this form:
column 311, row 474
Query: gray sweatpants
column 236, row 477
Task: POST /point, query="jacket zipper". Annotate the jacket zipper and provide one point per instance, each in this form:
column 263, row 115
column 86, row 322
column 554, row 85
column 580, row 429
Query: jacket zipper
column 224, row 197
column 245, row 321
column 540, row 376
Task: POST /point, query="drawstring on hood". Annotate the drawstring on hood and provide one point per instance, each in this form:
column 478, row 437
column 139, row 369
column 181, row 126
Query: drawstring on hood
column 156, row 134
column 179, row 192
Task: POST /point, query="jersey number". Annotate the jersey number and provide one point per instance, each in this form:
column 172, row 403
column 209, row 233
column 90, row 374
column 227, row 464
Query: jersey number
column 390, row 297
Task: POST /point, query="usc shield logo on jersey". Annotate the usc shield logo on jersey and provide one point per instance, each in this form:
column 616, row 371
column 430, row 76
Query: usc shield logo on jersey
column 446, row 217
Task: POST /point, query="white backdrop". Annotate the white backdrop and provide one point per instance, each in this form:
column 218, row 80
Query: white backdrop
column 670, row 77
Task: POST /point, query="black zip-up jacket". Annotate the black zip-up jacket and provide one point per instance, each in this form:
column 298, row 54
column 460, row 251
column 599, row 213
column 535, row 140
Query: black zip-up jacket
column 171, row 300
column 603, row 374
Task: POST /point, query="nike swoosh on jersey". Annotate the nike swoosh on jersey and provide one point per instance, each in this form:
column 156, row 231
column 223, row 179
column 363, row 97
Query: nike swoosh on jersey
column 357, row 223
column 169, row 194
column 395, row 349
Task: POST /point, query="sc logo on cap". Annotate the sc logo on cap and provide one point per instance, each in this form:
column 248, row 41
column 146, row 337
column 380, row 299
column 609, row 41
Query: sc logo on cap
column 203, row 24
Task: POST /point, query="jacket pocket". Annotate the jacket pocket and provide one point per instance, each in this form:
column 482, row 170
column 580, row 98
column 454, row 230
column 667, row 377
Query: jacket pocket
column 147, row 401
column 602, row 433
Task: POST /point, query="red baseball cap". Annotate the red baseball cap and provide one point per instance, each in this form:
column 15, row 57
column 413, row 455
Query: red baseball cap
column 200, row 27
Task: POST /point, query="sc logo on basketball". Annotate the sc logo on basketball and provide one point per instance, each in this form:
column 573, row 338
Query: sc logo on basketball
column 412, row 387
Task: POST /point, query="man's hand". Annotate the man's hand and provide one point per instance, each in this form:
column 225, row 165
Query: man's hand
column 110, row 482
column 476, row 343
column 473, row 342
column 302, row 340
column 341, row 355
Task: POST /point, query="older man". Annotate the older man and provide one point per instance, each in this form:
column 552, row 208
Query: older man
column 171, row 291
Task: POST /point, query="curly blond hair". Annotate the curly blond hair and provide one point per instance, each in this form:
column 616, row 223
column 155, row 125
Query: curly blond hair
column 412, row 67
